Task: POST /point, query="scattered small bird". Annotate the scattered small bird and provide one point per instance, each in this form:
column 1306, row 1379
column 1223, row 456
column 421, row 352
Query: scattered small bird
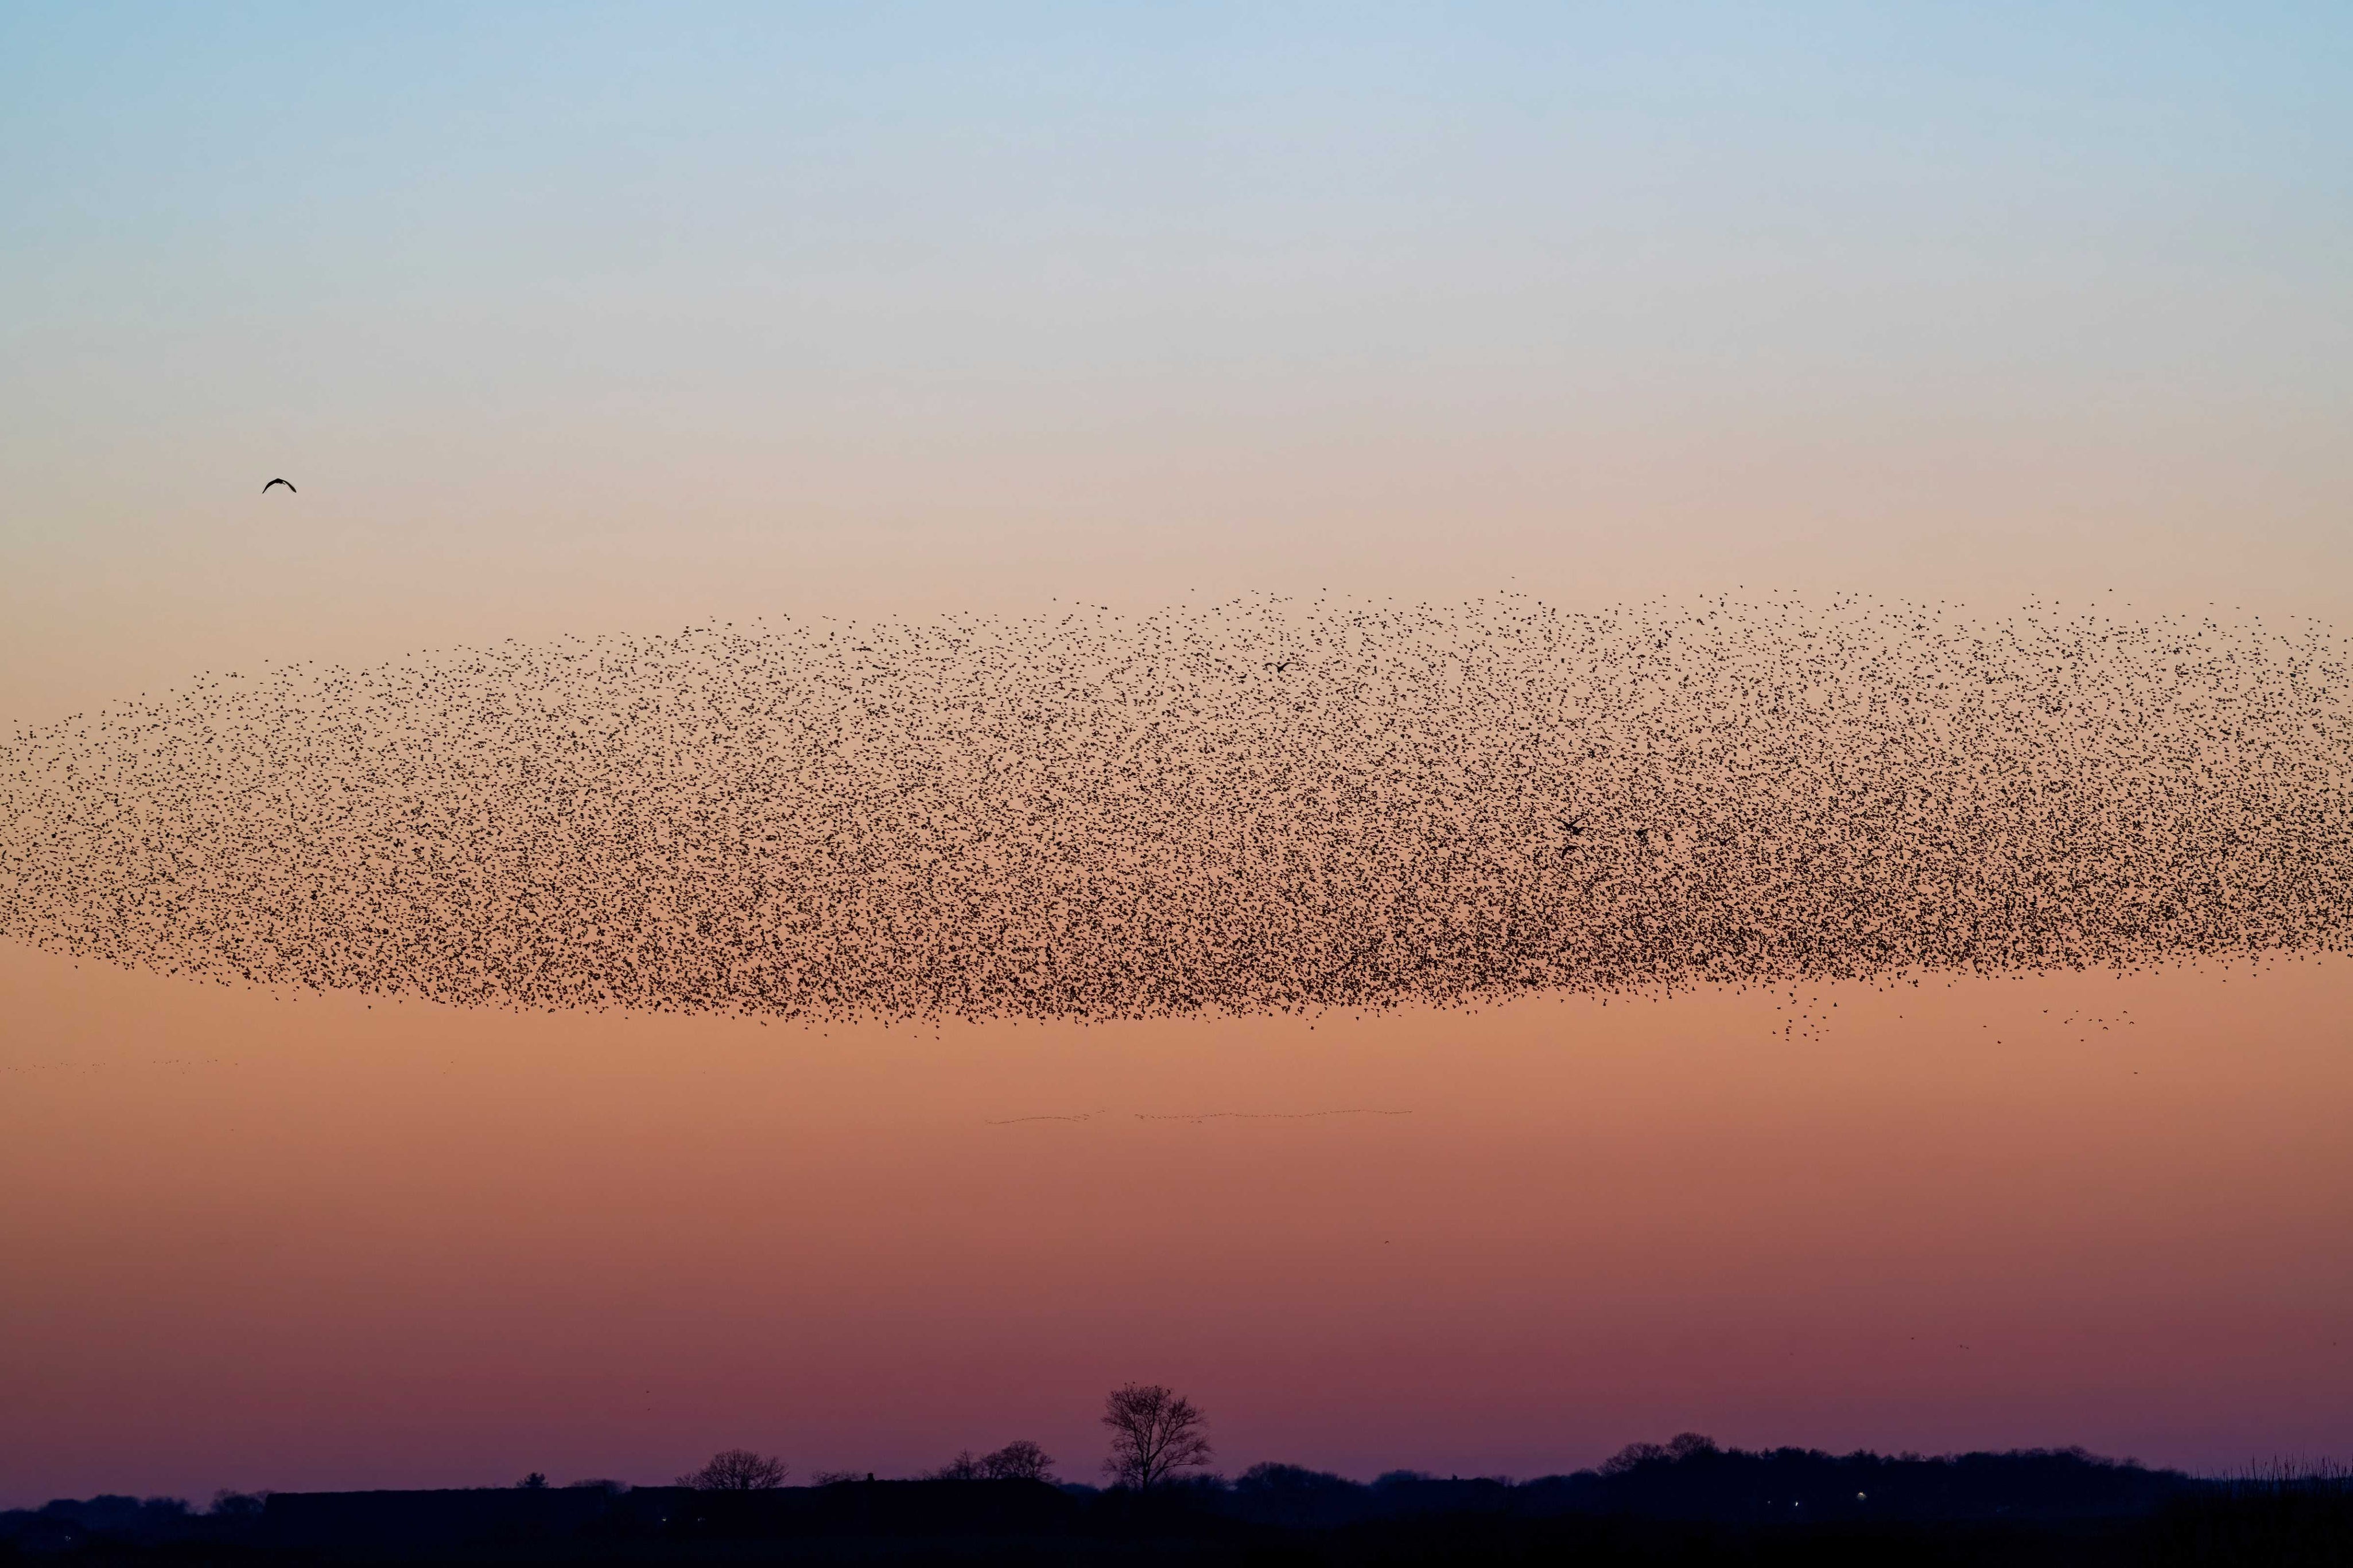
column 288, row 483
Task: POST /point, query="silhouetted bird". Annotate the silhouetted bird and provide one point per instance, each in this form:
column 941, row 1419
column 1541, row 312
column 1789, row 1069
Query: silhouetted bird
column 288, row 483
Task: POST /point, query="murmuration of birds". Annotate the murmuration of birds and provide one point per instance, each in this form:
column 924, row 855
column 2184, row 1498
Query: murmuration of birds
column 1263, row 807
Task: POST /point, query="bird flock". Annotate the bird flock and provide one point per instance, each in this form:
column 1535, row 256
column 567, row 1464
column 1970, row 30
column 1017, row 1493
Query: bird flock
column 1265, row 805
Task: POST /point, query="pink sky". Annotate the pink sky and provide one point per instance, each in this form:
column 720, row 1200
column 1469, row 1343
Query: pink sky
column 308, row 1243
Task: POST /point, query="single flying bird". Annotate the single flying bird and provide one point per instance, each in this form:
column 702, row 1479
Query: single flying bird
column 288, row 483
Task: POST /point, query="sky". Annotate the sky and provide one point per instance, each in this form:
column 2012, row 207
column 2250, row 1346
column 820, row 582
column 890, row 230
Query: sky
column 588, row 319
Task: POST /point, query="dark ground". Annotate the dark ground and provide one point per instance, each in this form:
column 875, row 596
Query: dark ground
column 1696, row 1509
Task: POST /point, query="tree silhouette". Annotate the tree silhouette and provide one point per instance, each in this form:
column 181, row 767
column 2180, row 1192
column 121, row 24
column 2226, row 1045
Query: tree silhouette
column 737, row 1470
column 1686, row 1446
column 1634, row 1454
column 1017, row 1461
column 1154, row 1435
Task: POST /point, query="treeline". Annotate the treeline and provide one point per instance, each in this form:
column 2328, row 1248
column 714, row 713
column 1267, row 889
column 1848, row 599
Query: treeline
column 1688, row 1501
column 740, row 1495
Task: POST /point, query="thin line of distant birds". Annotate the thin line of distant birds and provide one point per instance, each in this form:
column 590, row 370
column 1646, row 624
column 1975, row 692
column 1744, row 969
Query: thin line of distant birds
column 1199, row 1115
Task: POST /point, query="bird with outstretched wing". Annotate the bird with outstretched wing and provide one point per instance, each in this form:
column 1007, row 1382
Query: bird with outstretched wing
column 288, row 483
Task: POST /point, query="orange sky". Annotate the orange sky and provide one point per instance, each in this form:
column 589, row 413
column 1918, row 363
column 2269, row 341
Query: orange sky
column 312, row 1243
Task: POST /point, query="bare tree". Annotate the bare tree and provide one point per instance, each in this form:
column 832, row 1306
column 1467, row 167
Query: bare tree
column 962, row 1468
column 737, row 1470
column 1017, row 1461
column 1154, row 1435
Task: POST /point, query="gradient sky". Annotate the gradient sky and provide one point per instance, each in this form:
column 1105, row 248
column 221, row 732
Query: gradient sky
column 583, row 319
